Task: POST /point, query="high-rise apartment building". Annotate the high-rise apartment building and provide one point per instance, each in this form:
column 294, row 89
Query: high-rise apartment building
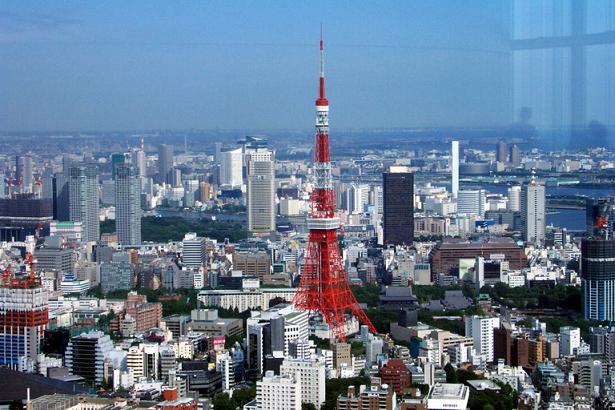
column 398, row 206
column 165, row 163
column 231, row 167
column 83, row 200
column 312, row 376
column 515, row 156
column 533, row 214
column 480, row 329
column 24, row 176
column 128, row 205
column 260, row 165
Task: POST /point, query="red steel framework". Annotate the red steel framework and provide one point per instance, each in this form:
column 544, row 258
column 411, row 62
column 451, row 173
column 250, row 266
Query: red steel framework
column 323, row 287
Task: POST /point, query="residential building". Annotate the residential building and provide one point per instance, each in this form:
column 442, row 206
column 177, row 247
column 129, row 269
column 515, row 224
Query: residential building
column 261, row 194
column 278, row 392
column 83, row 200
column 311, row 373
column 128, row 205
column 533, row 212
column 193, row 250
column 481, row 329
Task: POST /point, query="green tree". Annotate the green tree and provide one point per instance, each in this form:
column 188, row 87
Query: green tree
column 308, row 406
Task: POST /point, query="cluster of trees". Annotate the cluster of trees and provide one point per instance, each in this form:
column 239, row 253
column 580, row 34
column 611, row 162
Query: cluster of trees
column 505, row 399
column 240, row 398
column 335, row 387
column 173, row 228
column 368, row 294
column 537, row 297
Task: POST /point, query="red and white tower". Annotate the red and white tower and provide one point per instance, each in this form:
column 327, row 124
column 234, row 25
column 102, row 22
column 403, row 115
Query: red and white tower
column 323, row 287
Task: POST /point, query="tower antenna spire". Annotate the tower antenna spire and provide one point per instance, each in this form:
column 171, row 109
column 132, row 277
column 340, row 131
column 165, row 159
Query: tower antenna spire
column 321, row 93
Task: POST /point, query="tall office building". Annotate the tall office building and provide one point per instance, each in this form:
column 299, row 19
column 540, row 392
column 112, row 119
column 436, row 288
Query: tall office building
column 598, row 278
column 454, row 168
column 471, row 201
column 357, row 197
column 515, row 156
column 128, row 205
column 603, row 209
column 116, row 275
column 260, row 166
column 24, row 173
column 501, row 151
column 165, row 163
column 193, row 250
column 514, row 198
column 533, row 212
column 138, row 160
column 83, row 200
column 86, row 354
column 398, row 206
column 231, row 167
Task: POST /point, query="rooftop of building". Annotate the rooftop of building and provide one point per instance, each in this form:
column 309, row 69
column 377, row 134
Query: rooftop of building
column 14, row 385
column 448, row 391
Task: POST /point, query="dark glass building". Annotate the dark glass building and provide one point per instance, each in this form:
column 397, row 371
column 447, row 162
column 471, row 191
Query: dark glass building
column 598, row 278
column 398, row 206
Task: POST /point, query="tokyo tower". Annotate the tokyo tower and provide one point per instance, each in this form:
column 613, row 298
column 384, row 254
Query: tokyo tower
column 323, row 287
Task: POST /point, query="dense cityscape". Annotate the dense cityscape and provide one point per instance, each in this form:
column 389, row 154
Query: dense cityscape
column 357, row 269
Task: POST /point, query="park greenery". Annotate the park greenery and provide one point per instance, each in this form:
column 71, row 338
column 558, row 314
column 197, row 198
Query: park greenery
column 535, row 297
column 335, row 387
column 240, row 398
column 163, row 229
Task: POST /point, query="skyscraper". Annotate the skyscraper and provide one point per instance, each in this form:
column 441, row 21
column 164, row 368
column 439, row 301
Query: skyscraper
column 533, row 212
column 515, row 156
column 231, row 167
column 128, row 204
column 501, row 152
column 598, row 278
column 83, row 200
column 138, row 160
column 193, row 250
column 165, row 163
column 454, row 168
column 23, row 173
column 260, row 164
column 514, row 198
column 398, row 206
column 598, row 265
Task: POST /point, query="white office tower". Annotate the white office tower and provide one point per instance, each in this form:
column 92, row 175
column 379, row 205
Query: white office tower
column 454, row 168
column 570, row 340
column 193, row 251
column 139, row 161
column 83, row 200
column 278, row 392
column 260, row 166
column 533, row 212
column 471, row 201
column 226, row 366
column 312, row 376
column 127, row 205
column 480, row 329
column 231, row 168
column 514, row 198
column 357, row 196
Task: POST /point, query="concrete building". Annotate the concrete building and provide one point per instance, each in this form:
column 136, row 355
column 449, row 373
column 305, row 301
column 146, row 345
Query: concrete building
column 373, row 397
column 68, row 231
column 127, row 205
column 480, row 329
column 312, row 375
column 448, row 396
column 261, row 193
column 570, row 340
column 83, row 200
column 208, row 322
column 278, row 392
column 514, row 198
column 193, row 250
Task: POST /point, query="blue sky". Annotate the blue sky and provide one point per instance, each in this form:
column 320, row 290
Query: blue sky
column 75, row 65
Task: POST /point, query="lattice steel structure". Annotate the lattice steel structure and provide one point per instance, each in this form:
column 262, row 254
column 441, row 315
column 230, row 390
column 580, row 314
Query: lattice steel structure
column 323, row 287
